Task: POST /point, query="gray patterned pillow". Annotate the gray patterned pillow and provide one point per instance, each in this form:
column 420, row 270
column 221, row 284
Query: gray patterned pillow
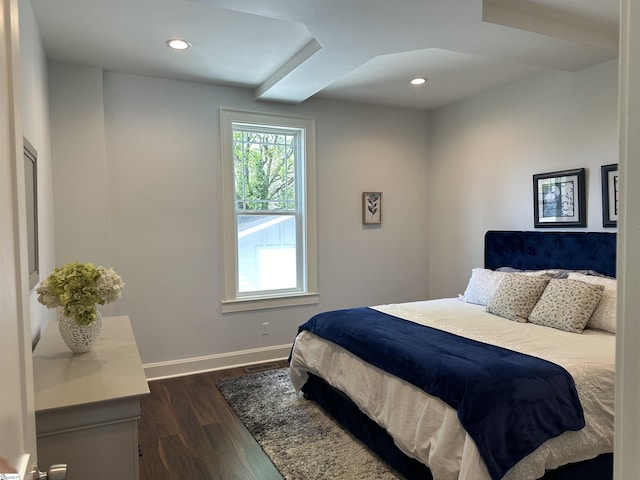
column 566, row 305
column 516, row 296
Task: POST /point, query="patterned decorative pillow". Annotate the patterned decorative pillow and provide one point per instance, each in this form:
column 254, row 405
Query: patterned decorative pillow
column 482, row 285
column 566, row 305
column 516, row 296
column 604, row 317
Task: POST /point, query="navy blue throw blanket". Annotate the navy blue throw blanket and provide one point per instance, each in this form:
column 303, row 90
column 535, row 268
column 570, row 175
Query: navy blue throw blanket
column 510, row 403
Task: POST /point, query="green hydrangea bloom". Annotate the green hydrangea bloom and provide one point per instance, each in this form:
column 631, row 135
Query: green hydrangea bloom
column 75, row 287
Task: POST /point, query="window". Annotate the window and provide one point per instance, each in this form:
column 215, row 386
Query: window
column 268, row 169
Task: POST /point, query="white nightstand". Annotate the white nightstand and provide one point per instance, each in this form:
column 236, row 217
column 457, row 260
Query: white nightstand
column 88, row 405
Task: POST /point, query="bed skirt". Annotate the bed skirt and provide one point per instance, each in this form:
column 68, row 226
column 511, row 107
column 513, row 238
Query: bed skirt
column 342, row 409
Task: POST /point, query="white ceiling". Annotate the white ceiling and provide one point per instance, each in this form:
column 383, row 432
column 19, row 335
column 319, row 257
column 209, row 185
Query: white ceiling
column 361, row 50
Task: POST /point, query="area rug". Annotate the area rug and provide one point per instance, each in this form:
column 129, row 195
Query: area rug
column 301, row 440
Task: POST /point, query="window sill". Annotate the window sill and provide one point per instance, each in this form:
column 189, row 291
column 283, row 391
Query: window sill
column 243, row 305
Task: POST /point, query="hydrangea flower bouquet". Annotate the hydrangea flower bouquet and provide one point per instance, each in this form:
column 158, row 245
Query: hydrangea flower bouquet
column 77, row 288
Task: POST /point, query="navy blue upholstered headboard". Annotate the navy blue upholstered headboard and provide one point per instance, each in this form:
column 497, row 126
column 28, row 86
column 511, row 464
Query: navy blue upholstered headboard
column 540, row 250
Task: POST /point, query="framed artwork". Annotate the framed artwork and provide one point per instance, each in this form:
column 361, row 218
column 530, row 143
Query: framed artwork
column 31, row 190
column 609, row 175
column 559, row 199
column 371, row 207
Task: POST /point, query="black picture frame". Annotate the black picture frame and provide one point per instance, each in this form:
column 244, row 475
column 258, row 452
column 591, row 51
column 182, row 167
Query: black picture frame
column 559, row 199
column 609, row 174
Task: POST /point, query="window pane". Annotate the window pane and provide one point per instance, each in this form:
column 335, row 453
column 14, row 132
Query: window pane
column 264, row 170
column 267, row 257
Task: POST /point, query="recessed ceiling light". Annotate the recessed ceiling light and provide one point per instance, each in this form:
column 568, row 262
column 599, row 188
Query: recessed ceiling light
column 418, row 81
column 178, row 44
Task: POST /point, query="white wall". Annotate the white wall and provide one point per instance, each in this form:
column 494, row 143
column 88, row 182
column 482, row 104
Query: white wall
column 36, row 128
column 80, row 170
column 160, row 215
column 484, row 151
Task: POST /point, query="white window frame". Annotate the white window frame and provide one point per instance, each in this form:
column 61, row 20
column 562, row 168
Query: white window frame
column 307, row 294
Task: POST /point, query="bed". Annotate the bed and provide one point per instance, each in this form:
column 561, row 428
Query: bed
column 431, row 386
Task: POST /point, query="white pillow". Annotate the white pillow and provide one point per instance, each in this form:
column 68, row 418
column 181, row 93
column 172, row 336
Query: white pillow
column 482, row 285
column 604, row 317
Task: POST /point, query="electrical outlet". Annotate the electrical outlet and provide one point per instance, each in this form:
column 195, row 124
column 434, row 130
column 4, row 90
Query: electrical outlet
column 265, row 328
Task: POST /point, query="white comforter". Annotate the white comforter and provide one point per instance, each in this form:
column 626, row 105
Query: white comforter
column 426, row 428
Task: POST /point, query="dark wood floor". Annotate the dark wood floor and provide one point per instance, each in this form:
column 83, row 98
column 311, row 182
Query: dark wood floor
column 188, row 431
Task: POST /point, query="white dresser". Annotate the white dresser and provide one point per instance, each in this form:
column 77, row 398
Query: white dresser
column 88, row 405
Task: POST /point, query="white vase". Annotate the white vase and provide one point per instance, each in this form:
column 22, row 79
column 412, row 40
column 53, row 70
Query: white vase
column 79, row 338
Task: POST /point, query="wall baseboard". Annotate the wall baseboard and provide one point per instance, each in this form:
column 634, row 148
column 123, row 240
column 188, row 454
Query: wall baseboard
column 190, row 366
